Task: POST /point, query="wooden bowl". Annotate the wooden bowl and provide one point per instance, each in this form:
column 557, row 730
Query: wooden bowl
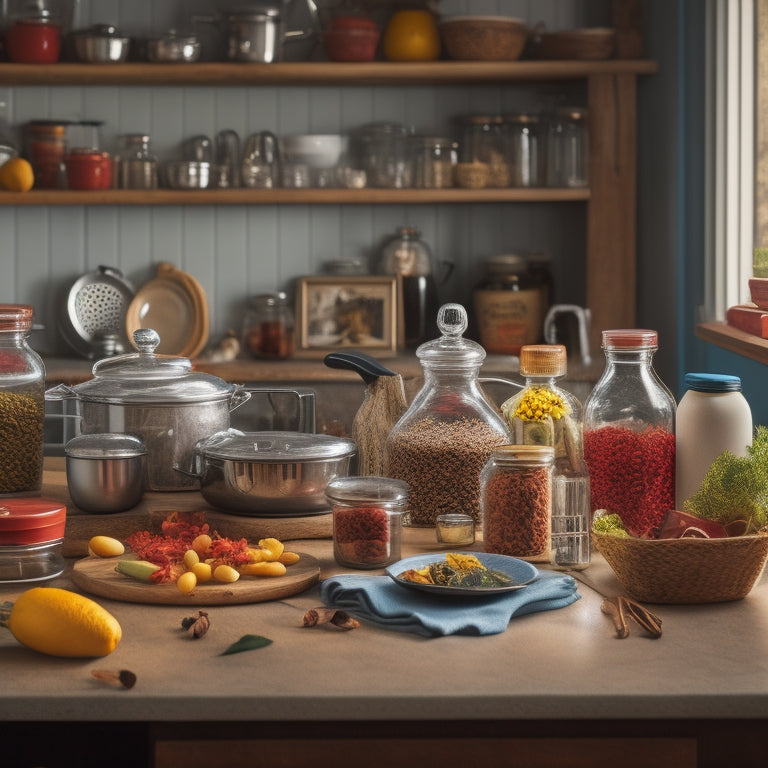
column 483, row 38
column 593, row 44
column 685, row 571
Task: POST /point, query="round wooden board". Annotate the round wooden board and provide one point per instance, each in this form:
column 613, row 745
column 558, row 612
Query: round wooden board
column 97, row 576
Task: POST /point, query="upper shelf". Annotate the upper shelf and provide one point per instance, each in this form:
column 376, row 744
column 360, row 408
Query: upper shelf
column 734, row 340
column 315, row 72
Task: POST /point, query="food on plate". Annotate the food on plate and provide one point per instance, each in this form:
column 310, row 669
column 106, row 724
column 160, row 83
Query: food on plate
column 105, row 546
column 457, row 570
column 61, row 623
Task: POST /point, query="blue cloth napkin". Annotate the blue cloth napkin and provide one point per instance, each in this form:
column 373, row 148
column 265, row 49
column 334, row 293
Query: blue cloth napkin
column 380, row 600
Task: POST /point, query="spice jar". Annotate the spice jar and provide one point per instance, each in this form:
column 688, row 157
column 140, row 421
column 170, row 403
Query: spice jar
column 441, row 443
column 46, row 146
column 629, row 434
column 135, row 165
column 509, row 304
column 523, row 148
column 434, row 159
column 31, row 538
column 517, row 502
column 543, row 413
column 712, row 416
column 22, row 404
column 455, row 530
column 367, row 520
column 88, row 169
column 268, row 328
column 482, row 142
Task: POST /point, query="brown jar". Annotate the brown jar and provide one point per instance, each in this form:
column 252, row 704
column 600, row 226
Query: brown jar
column 46, row 142
column 268, row 329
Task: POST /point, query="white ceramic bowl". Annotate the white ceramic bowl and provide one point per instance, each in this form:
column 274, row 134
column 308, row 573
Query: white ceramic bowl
column 317, row 150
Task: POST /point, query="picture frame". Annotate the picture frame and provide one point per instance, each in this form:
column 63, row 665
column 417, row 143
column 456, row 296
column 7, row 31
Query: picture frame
column 335, row 312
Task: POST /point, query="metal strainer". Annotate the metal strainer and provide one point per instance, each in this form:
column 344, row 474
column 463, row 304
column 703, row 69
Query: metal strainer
column 93, row 323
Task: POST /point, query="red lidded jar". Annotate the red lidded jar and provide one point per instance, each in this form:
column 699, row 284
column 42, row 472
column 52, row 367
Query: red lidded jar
column 89, row 169
column 34, row 40
column 31, row 535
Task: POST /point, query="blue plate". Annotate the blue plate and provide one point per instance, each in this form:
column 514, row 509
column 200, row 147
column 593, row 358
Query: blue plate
column 521, row 572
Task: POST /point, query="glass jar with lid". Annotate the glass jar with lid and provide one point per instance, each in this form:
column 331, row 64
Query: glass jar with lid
column 22, row 404
column 46, row 147
column 135, row 165
column 568, row 148
column 509, row 305
column 517, row 502
column 524, row 144
column 441, row 443
column 268, row 327
column 482, row 142
column 385, row 155
column 434, row 159
column 629, row 434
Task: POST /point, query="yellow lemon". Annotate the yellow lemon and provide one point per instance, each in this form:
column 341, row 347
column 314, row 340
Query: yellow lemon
column 16, row 175
column 411, row 36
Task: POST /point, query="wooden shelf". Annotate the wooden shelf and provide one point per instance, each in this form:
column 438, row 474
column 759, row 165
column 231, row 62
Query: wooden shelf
column 290, row 196
column 315, row 73
column 734, row 340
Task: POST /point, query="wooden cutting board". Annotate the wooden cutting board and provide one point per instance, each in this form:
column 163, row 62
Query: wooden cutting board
column 97, row 576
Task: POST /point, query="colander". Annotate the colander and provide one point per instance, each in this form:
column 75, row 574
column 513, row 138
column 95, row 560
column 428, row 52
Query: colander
column 93, row 322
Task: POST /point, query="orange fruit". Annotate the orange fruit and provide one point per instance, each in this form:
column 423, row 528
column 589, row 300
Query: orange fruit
column 411, row 36
column 16, row 175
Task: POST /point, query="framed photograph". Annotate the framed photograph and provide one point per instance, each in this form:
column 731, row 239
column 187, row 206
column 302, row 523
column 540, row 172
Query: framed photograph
column 334, row 312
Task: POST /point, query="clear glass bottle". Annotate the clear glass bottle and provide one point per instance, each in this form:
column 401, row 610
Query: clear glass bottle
column 545, row 414
column 712, row 416
column 135, row 165
column 516, row 487
column 441, row 443
column 367, row 520
column 509, row 305
column 523, row 146
column 568, row 148
column 268, row 327
column 629, row 434
column 22, row 404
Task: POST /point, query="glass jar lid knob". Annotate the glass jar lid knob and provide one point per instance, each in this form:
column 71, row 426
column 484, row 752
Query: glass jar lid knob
column 452, row 320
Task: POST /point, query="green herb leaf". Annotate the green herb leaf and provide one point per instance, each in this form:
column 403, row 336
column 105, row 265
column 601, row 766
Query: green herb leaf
column 246, row 643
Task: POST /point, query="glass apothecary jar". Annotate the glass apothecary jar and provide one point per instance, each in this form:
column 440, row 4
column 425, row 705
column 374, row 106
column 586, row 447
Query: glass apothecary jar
column 568, row 148
column 135, row 165
column 629, row 434
column 434, row 159
column 367, row 520
column 517, row 502
column 22, row 404
column 524, row 149
column 482, row 142
column 268, row 327
column 441, row 443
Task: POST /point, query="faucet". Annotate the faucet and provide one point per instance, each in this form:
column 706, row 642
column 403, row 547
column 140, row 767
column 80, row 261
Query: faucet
column 583, row 318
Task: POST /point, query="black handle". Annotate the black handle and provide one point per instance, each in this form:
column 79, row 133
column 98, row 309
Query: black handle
column 368, row 367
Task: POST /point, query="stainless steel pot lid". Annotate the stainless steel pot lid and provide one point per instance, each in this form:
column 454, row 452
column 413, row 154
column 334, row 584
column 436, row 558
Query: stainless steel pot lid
column 105, row 445
column 144, row 377
column 267, row 447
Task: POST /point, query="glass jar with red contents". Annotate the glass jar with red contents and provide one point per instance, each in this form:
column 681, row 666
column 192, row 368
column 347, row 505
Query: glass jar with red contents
column 268, row 327
column 629, row 434
column 88, row 169
column 34, row 39
column 46, row 147
column 22, row 404
column 367, row 520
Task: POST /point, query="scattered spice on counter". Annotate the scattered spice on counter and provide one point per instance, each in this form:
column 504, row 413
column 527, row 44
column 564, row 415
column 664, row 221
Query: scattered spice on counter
column 632, row 474
column 196, row 626
column 516, row 512
column 322, row 615
column 21, row 442
column 441, row 461
column 361, row 533
column 122, row 677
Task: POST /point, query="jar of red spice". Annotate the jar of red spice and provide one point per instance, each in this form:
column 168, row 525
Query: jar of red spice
column 34, row 39
column 517, row 502
column 88, row 169
column 629, row 434
column 367, row 520
column 46, row 146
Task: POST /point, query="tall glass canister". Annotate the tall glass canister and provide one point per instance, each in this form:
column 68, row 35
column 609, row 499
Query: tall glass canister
column 22, row 404
column 629, row 434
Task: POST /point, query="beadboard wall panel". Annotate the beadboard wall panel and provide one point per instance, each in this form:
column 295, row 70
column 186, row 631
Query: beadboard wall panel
column 238, row 251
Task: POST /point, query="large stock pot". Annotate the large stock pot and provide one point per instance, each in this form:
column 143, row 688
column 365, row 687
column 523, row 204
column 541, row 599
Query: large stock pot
column 160, row 400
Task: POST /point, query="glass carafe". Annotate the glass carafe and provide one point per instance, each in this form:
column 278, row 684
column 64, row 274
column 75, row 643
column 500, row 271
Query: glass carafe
column 442, row 442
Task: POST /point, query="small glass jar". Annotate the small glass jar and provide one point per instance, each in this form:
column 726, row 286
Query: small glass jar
column 629, row 434
column 268, row 327
column 509, row 306
column 385, row 155
column 22, row 404
column 367, row 520
column 434, row 159
column 88, row 169
column 31, row 537
column 455, row 530
column 517, row 502
column 568, row 148
column 135, row 165
column 524, row 147
column 482, row 141
column 46, row 147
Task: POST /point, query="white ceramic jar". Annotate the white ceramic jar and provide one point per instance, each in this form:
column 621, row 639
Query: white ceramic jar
column 713, row 416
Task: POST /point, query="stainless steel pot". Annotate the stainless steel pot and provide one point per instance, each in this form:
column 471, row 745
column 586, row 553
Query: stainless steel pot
column 271, row 473
column 101, row 43
column 160, row 400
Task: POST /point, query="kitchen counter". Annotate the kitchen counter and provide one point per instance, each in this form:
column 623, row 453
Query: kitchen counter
column 563, row 672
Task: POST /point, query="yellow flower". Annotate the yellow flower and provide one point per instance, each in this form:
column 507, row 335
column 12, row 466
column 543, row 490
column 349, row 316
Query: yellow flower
column 539, row 402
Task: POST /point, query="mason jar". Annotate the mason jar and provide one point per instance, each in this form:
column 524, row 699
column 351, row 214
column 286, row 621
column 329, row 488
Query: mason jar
column 568, row 148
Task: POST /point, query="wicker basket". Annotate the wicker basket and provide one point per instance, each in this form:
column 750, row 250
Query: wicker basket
column 685, row 570
column 483, row 38
column 591, row 44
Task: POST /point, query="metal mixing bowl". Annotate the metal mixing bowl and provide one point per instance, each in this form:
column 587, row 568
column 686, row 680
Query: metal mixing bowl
column 100, row 44
column 105, row 472
column 271, row 474
column 188, row 174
